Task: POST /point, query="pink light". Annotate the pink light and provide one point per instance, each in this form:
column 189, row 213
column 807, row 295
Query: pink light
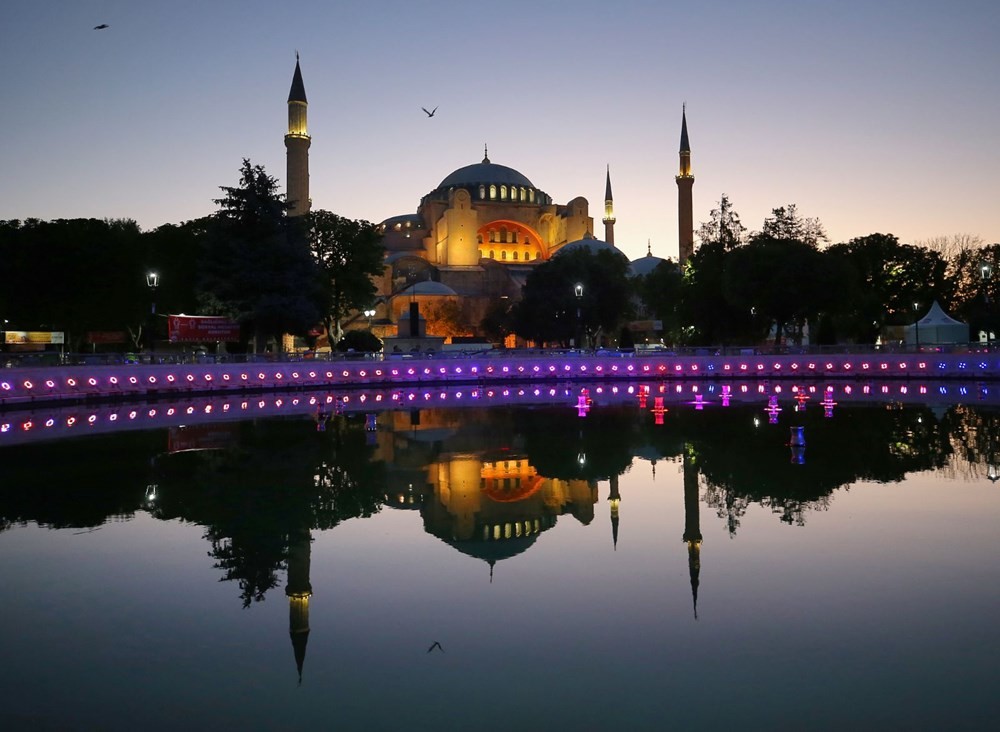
column 261, row 376
column 312, row 374
column 28, row 385
column 72, row 382
column 208, row 377
column 190, row 378
column 92, row 381
column 133, row 380
column 51, row 384
column 295, row 374
column 151, row 379
column 113, row 380
column 279, row 376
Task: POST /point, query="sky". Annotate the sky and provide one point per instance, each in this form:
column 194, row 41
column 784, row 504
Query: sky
column 870, row 116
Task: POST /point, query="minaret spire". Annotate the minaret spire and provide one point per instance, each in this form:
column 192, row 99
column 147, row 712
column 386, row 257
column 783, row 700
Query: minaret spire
column 486, row 153
column 298, row 591
column 615, row 499
column 297, row 143
column 609, row 212
column 685, row 182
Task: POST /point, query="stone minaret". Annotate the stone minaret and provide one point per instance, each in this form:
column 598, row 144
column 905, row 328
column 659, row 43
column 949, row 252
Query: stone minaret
column 692, row 524
column 609, row 212
column 685, row 208
column 297, row 146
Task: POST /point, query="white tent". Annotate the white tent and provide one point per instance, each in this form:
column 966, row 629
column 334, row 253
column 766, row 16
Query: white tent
column 937, row 327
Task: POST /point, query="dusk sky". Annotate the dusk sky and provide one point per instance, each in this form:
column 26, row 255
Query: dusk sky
column 871, row 116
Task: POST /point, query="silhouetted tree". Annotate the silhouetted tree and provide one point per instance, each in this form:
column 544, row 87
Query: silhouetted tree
column 257, row 267
column 349, row 253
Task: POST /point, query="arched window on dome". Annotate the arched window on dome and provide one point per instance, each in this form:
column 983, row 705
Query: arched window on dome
column 479, row 238
column 514, row 235
column 503, row 254
column 493, row 254
column 503, row 235
column 503, row 193
column 514, row 257
column 493, row 193
column 524, row 194
column 482, row 192
column 531, row 195
column 493, row 236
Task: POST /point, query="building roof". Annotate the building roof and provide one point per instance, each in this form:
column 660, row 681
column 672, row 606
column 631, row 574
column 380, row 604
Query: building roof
column 485, row 172
column 298, row 91
column 590, row 244
column 644, row 265
column 429, row 287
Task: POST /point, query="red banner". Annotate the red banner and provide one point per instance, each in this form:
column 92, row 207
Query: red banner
column 201, row 329
column 106, row 336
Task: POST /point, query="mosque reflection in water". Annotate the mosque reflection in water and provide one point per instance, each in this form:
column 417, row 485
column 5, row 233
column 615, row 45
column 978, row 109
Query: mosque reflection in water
column 487, row 482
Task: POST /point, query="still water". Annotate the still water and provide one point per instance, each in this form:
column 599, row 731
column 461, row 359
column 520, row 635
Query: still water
column 535, row 567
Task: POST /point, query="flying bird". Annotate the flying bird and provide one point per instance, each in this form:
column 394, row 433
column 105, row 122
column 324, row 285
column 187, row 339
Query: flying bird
column 102, row 26
column 435, row 644
column 431, row 113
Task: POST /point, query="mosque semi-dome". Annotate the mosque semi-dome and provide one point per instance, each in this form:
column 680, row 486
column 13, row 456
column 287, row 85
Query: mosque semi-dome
column 644, row 265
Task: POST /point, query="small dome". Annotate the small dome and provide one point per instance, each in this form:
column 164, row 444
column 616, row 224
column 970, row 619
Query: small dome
column 590, row 244
column 429, row 287
column 643, row 266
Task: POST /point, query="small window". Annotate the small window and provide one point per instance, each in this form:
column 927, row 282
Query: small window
column 479, row 238
column 515, row 237
column 480, row 253
column 493, row 254
column 503, row 193
column 503, row 254
column 503, row 235
column 493, row 236
column 493, row 193
column 515, row 256
column 531, row 194
column 482, row 192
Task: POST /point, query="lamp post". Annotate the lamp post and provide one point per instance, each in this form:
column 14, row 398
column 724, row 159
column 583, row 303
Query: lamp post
column 370, row 314
column 578, row 290
column 152, row 282
column 916, row 324
column 986, row 271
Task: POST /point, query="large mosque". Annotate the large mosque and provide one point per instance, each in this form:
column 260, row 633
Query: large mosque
column 475, row 237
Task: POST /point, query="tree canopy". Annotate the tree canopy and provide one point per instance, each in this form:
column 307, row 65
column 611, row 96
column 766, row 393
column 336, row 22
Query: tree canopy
column 257, row 267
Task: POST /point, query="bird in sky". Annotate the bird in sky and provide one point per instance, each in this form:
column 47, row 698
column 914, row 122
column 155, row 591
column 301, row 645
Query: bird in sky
column 431, row 113
column 102, row 26
column 435, row 644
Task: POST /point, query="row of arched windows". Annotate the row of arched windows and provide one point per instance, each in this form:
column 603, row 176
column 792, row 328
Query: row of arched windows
column 503, row 237
column 504, row 255
column 522, row 194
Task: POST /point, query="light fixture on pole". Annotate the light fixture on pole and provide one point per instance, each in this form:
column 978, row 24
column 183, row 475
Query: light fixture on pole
column 152, row 282
column 578, row 291
column 986, row 271
column 370, row 313
column 916, row 323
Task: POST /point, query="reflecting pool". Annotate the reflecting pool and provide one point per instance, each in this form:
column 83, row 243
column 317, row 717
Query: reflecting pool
column 648, row 559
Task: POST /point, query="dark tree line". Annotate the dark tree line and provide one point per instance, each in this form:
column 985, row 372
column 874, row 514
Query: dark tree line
column 250, row 261
column 739, row 288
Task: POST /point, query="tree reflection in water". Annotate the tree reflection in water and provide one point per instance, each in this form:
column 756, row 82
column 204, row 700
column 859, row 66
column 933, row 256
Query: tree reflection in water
column 272, row 480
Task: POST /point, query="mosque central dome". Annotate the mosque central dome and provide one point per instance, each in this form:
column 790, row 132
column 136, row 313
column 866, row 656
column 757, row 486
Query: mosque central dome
column 485, row 172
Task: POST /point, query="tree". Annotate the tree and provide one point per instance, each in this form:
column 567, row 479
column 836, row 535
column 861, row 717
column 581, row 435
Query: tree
column 72, row 275
column 349, row 253
column 660, row 293
column 706, row 315
column 786, row 223
column 724, row 226
column 548, row 309
column 779, row 281
column 887, row 278
column 257, row 266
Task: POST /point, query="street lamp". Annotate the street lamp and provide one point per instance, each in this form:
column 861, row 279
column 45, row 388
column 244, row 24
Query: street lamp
column 578, row 290
column 370, row 314
column 152, row 282
column 986, row 271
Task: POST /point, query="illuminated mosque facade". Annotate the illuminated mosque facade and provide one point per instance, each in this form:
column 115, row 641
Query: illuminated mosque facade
column 477, row 235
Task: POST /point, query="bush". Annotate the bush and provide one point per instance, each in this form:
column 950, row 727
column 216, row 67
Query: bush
column 360, row 340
